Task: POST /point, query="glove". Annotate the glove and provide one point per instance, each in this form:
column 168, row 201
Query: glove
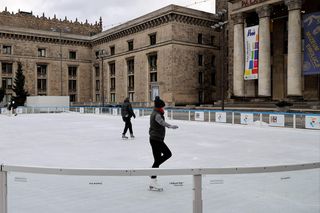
column 134, row 116
column 173, row 127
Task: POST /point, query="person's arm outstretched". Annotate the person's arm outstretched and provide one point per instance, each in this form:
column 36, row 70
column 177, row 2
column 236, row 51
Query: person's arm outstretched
column 160, row 121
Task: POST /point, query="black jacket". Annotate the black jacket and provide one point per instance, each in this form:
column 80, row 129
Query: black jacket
column 126, row 110
column 157, row 130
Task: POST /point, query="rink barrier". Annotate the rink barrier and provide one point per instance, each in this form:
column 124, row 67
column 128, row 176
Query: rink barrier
column 197, row 174
column 295, row 120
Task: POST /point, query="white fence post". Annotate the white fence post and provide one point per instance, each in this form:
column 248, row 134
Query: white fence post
column 197, row 198
column 171, row 115
column 260, row 118
column 209, row 116
column 3, row 192
column 232, row 117
column 294, row 121
column 189, row 115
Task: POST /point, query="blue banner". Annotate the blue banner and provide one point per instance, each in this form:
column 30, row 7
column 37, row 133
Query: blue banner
column 311, row 24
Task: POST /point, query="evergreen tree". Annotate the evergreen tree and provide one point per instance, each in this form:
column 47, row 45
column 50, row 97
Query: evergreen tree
column 2, row 93
column 18, row 87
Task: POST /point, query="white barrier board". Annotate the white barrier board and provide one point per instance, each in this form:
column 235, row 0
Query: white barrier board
column 136, row 112
column 199, row 116
column 276, row 120
column 115, row 111
column 221, row 117
column 312, row 122
column 81, row 110
column 97, row 111
column 246, row 118
column 4, row 110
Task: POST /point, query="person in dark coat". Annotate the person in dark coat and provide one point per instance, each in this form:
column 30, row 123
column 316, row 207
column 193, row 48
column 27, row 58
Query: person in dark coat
column 127, row 113
column 157, row 132
column 12, row 107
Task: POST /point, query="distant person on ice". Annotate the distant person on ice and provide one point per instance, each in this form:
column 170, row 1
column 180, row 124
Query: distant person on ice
column 157, row 132
column 127, row 113
column 12, row 106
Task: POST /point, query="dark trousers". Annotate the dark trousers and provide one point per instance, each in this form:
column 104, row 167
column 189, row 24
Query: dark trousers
column 128, row 125
column 160, row 152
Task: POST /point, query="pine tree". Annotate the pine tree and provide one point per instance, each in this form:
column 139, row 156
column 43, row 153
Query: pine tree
column 2, row 93
column 18, row 87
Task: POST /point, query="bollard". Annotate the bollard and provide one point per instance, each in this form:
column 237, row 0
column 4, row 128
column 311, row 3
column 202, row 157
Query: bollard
column 197, row 194
column 3, row 192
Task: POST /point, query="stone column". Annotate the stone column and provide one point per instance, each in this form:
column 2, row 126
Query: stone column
column 238, row 55
column 294, row 48
column 264, row 81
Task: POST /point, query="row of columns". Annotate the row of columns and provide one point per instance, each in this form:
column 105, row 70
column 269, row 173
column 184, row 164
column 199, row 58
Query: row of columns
column 294, row 85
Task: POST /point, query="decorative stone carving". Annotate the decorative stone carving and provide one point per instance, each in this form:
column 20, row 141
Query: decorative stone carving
column 263, row 11
column 293, row 4
column 238, row 18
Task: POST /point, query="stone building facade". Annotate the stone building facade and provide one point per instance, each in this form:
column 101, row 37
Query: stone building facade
column 172, row 52
column 281, row 50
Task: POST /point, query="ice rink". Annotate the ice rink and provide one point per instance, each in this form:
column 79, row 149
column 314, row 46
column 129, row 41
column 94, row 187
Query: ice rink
column 72, row 140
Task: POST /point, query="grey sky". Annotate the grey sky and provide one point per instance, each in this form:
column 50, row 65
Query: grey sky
column 113, row 12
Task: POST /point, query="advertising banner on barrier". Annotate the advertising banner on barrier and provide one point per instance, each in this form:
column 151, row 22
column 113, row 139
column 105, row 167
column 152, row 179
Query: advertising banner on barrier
column 312, row 122
column 199, row 116
column 136, row 112
column 276, row 120
column 251, row 52
column 311, row 26
column 97, row 110
column 221, row 117
column 246, row 118
column 115, row 111
column 81, row 110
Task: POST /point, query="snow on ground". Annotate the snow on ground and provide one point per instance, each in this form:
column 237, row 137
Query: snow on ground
column 71, row 140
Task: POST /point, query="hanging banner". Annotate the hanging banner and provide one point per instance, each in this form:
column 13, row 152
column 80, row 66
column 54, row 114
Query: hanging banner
column 251, row 52
column 311, row 24
column 312, row 122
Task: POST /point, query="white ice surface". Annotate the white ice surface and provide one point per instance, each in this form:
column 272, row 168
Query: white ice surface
column 72, row 140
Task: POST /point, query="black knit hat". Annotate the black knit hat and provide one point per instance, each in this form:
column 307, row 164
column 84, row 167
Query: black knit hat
column 158, row 103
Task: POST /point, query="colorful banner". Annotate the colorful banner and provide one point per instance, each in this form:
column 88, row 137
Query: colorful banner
column 313, row 122
column 251, row 52
column 311, row 24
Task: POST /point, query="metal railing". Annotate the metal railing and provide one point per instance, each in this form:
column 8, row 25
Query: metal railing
column 197, row 174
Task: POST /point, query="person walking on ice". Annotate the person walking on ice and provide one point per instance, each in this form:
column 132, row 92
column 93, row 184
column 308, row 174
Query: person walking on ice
column 157, row 132
column 127, row 113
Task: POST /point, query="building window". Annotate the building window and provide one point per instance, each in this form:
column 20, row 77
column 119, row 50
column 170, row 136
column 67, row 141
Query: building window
column 113, row 97
column 212, row 40
column 201, row 97
column 97, row 71
column 112, row 68
column 200, row 38
column 131, row 96
column 42, row 85
column 41, row 52
column 113, row 84
column 6, row 68
column 42, row 70
column 153, row 77
column 97, row 97
column 72, row 85
column 112, row 50
column 72, row 71
column 130, row 45
column 153, row 38
column 6, row 49
column 72, row 54
column 200, row 60
column 213, row 71
column 7, row 83
column 130, row 65
column 200, row 78
column 97, row 85
column 131, row 83
column 73, row 98
column 97, row 54
column 153, row 62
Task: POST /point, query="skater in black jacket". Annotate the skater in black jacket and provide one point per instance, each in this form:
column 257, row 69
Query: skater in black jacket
column 12, row 106
column 157, row 132
column 127, row 113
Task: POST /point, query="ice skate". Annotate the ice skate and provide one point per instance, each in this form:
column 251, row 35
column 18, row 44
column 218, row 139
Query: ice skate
column 132, row 136
column 124, row 137
column 154, row 186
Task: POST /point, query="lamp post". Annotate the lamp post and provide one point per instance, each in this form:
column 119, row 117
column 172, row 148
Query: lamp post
column 220, row 27
column 60, row 30
column 102, row 55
